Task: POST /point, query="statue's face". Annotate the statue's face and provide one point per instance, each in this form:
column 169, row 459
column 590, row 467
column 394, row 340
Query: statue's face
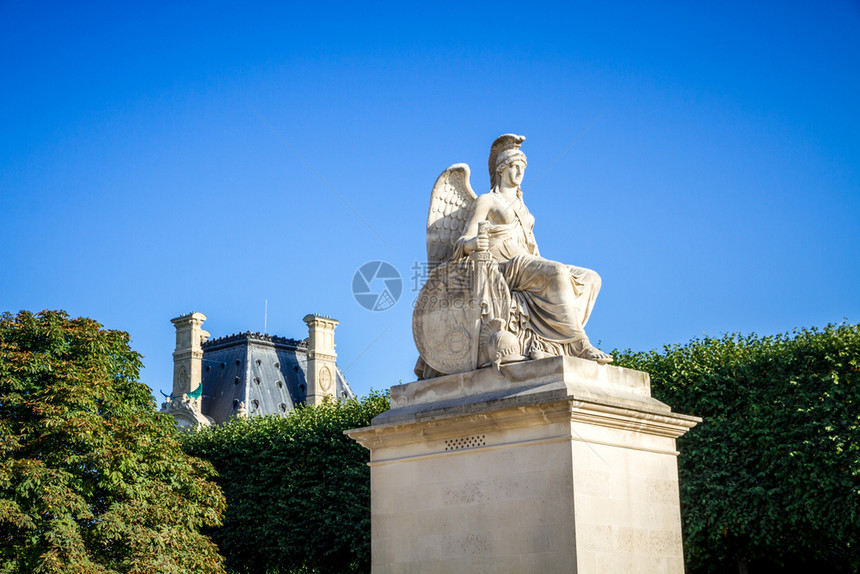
column 512, row 174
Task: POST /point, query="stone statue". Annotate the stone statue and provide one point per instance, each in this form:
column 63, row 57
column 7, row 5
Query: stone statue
column 490, row 298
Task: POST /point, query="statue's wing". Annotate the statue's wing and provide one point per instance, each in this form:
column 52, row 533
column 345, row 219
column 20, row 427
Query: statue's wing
column 450, row 208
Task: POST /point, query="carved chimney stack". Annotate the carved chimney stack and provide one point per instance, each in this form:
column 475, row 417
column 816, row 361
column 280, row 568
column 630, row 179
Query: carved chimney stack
column 188, row 355
column 322, row 369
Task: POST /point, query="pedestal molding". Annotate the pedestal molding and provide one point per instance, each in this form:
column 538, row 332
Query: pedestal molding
column 670, row 425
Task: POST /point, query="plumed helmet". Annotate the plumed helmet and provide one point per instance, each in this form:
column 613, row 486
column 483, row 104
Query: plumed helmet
column 505, row 346
column 504, row 150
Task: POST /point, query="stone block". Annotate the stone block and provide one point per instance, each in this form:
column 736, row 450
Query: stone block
column 562, row 466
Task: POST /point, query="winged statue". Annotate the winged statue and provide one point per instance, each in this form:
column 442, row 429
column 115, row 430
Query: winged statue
column 450, row 206
column 490, row 298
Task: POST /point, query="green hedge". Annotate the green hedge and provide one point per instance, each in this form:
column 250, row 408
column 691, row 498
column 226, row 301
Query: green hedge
column 771, row 477
column 298, row 490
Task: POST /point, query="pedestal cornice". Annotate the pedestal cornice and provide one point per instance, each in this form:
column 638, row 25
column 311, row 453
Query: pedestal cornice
column 601, row 394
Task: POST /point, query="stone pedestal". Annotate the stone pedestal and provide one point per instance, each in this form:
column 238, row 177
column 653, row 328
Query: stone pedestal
column 562, row 466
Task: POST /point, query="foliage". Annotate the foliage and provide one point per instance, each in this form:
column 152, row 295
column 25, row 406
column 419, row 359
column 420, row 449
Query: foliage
column 298, row 489
column 92, row 478
column 772, row 474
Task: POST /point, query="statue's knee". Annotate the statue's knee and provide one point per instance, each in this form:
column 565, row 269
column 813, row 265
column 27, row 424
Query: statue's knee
column 560, row 270
column 559, row 273
column 594, row 279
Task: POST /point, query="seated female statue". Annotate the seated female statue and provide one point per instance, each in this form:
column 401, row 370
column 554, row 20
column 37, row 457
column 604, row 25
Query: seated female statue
column 552, row 300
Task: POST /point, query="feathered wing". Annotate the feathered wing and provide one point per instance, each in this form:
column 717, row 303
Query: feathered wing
column 451, row 205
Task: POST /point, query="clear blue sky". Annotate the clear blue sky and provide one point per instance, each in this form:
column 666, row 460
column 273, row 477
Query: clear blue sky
column 704, row 158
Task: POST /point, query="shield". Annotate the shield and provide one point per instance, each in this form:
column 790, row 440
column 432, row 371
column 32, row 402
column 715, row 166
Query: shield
column 449, row 314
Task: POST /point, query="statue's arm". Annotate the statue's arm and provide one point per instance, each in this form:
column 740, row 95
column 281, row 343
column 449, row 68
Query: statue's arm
column 534, row 246
column 471, row 240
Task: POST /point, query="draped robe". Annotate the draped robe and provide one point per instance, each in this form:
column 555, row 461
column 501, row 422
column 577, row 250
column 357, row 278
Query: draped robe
column 553, row 300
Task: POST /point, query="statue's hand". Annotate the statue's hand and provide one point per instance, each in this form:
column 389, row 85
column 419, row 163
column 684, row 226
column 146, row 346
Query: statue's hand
column 477, row 243
column 483, row 242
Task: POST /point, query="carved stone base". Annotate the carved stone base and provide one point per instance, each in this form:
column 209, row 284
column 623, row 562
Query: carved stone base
column 186, row 411
column 563, row 466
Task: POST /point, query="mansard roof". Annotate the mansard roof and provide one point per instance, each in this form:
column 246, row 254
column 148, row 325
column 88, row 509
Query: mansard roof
column 265, row 372
column 231, row 340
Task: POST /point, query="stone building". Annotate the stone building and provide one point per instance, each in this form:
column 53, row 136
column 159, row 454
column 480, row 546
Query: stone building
column 251, row 374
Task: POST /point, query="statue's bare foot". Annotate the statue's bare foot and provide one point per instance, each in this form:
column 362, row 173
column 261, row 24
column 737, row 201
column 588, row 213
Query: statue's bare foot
column 592, row 353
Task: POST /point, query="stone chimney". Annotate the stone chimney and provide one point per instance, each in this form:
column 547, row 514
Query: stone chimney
column 184, row 401
column 322, row 370
column 188, row 355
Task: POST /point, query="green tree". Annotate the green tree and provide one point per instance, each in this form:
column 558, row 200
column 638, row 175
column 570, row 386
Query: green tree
column 92, row 478
column 297, row 488
column 771, row 477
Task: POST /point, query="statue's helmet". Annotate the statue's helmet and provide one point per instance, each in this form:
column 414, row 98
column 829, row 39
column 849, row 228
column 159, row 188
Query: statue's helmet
column 505, row 149
column 505, row 346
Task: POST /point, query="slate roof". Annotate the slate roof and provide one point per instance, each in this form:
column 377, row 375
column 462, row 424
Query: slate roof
column 265, row 372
